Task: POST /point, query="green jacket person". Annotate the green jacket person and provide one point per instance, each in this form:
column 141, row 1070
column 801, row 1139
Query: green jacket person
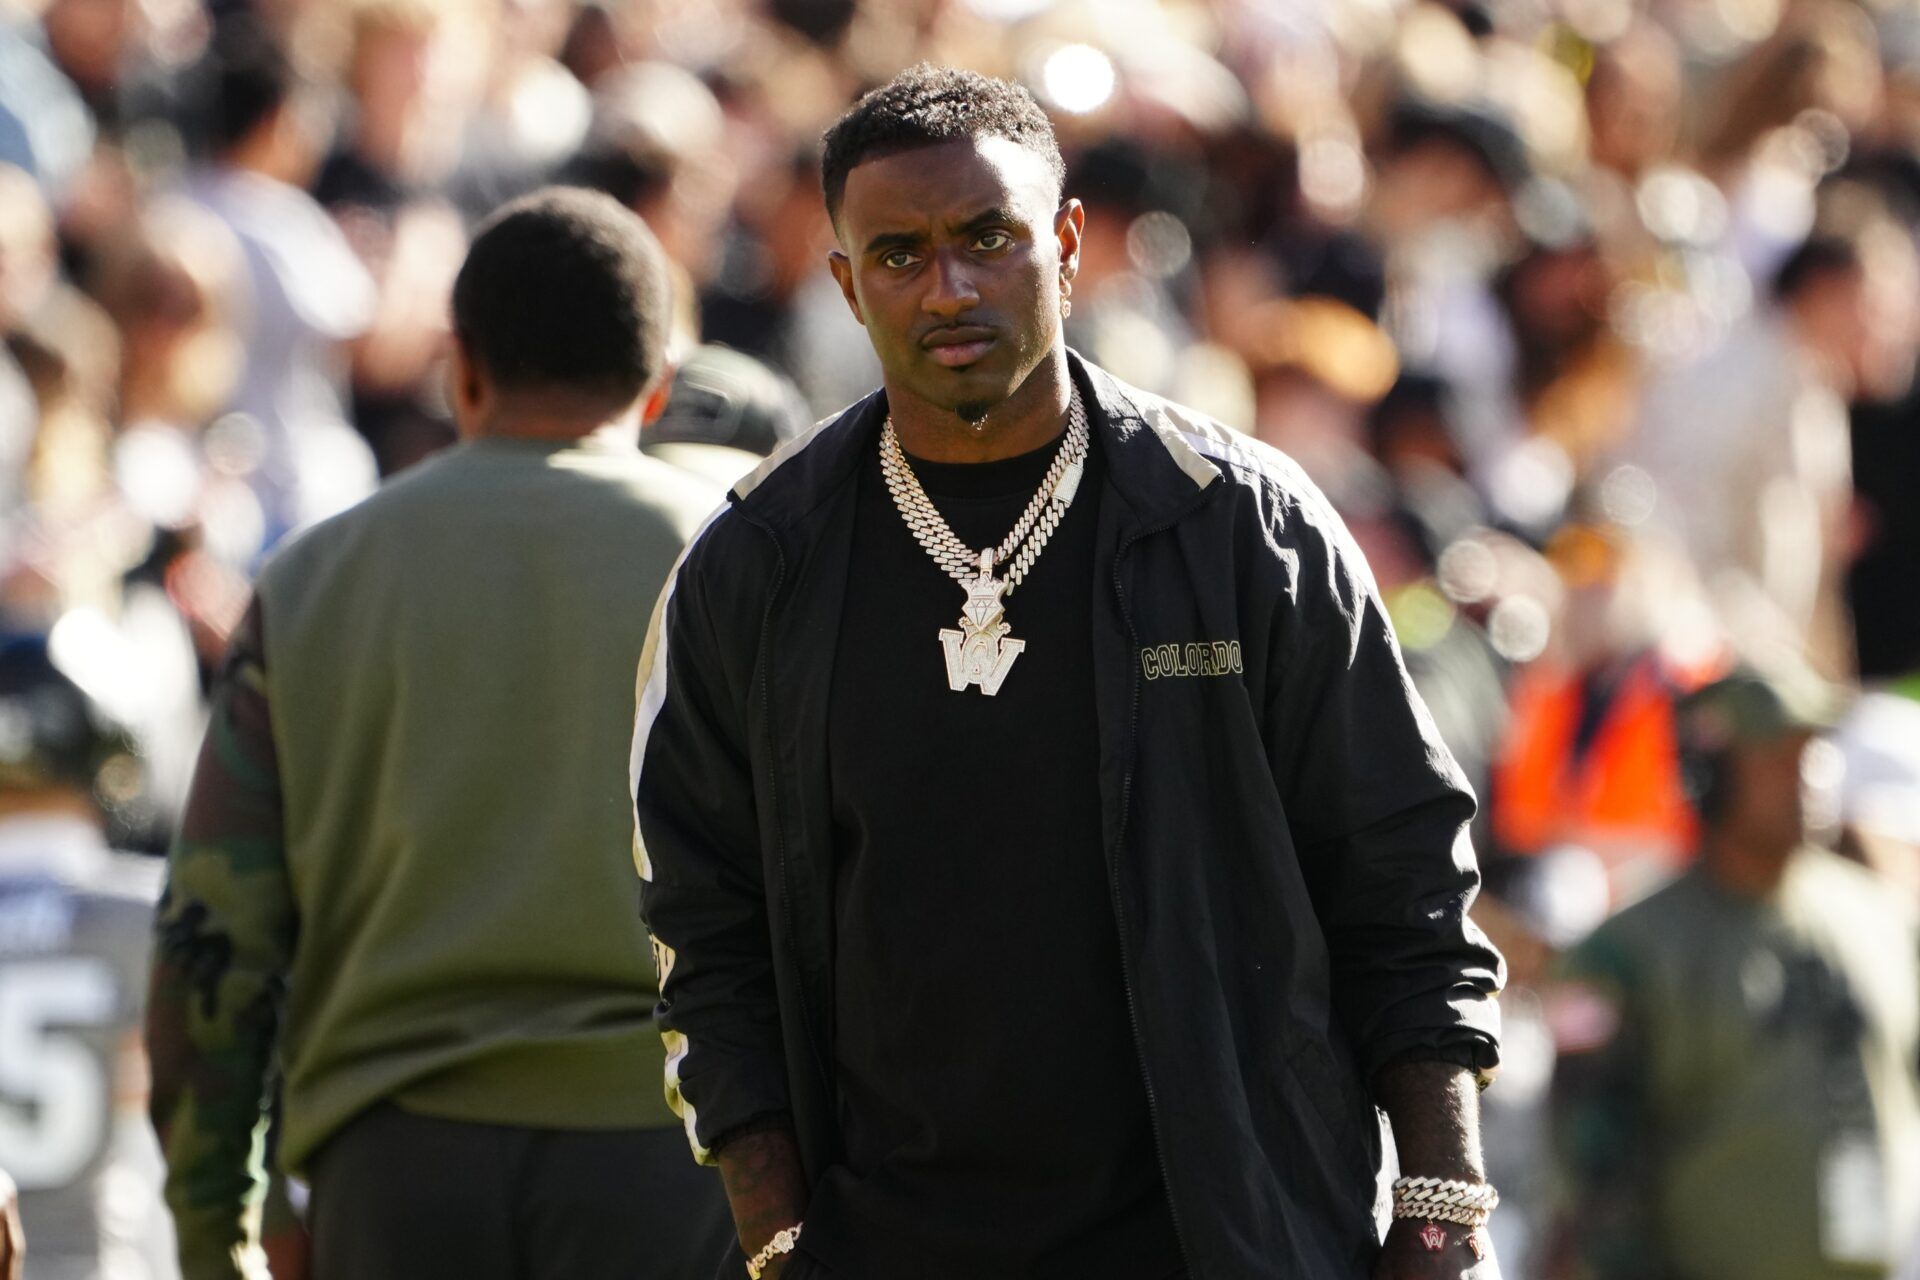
column 404, row 882
column 1736, row 1092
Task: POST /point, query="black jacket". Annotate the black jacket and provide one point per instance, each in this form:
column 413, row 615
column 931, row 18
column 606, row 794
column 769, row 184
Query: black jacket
column 1285, row 833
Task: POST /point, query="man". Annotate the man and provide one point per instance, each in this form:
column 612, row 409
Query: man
column 728, row 412
column 76, row 919
column 1588, row 756
column 1070, row 933
column 1750, row 445
column 307, row 293
column 1736, row 1090
column 403, row 884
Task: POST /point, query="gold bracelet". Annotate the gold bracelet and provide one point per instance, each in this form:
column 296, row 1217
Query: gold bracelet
column 783, row 1241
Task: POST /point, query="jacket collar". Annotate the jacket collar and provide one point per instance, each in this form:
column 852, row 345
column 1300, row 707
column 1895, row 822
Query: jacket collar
column 1151, row 461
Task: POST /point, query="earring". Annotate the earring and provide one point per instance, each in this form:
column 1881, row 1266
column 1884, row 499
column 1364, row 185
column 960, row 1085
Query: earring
column 1066, row 297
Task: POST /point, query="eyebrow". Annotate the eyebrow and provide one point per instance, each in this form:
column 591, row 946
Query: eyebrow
column 894, row 240
column 999, row 213
column 912, row 239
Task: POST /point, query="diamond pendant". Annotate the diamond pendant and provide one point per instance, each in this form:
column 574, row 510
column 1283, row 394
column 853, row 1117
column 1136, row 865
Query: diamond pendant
column 980, row 653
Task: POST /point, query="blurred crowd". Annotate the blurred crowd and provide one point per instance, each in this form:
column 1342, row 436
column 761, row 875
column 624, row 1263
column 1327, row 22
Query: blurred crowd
column 1597, row 319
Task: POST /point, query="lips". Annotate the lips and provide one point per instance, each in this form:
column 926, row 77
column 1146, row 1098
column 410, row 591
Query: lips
column 957, row 347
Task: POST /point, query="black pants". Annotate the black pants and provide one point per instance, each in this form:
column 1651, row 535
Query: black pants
column 398, row 1196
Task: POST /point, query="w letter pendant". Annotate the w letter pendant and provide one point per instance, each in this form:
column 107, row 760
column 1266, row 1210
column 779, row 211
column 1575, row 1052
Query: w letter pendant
column 980, row 652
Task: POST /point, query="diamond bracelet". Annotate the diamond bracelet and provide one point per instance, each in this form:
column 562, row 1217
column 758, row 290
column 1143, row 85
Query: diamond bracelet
column 1466, row 1204
column 783, row 1241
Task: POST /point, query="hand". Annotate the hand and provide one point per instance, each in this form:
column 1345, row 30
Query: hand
column 288, row 1253
column 13, row 1237
column 1404, row 1257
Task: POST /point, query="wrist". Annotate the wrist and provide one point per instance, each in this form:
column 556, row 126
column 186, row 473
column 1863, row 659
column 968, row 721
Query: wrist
column 779, row 1246
column 1442, row 1212
column 1465, row 1202
column 765, row 1187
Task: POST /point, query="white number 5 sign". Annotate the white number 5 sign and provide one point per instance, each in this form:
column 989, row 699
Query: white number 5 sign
column 54, row 1100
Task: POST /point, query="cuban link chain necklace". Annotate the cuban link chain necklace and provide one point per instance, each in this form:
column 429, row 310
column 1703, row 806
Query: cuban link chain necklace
column 982, row 651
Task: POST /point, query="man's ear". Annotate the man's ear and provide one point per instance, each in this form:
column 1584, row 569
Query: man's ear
column 655, row 403
column 1067, row 225
column 468, row 392
column 842, row 268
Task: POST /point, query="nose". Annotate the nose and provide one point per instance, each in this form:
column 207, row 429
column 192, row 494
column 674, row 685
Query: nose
column 950, row 292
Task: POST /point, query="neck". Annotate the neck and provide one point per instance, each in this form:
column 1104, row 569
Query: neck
column 1812, row 336
column 387, row 140
column 1744, row 868
column 1035, row 413
column 557, row 428
column 250, row 159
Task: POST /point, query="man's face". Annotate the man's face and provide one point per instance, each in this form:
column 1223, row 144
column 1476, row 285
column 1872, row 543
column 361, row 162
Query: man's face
column 1769, row 794
column 952, row 257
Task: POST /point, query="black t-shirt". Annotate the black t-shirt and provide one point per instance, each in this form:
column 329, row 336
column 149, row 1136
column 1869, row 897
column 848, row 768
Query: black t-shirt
column 989, row 1087
column 1886, row 473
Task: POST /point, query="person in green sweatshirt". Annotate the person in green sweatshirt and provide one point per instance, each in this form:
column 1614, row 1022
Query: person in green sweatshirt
column 1737, row 1095
column 403, row 898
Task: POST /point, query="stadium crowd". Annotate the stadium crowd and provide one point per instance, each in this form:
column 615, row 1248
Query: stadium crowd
column 1596, row 319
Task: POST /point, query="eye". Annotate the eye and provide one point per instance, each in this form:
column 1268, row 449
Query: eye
column 992, row 241
column 898, row 259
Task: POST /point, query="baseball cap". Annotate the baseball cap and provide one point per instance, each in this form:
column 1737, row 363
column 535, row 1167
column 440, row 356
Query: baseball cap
column 1749, row 706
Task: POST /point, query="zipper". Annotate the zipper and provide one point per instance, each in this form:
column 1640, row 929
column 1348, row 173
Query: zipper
column 1113, row 874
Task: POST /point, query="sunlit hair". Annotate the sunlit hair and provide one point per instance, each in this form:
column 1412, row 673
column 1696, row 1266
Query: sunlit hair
column 925, row 106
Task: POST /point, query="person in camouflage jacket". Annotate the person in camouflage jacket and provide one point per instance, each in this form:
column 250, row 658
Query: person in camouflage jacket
column 399, row 955
column 214, row 1006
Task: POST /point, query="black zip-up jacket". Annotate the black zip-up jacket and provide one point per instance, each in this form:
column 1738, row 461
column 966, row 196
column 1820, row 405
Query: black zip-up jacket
column 1285, row 833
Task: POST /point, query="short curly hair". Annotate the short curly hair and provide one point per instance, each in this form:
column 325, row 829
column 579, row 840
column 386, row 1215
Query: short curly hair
column 566, row 288
column 924, row 106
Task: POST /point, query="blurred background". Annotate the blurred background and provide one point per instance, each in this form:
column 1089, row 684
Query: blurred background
column 1597, row 319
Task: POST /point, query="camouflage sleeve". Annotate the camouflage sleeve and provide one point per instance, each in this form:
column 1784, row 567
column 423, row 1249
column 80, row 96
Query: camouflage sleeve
column 224, row 941
column 1602, row 1224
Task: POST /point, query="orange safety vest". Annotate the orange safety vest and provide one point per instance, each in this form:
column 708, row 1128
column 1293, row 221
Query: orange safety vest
column 1622, row 796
